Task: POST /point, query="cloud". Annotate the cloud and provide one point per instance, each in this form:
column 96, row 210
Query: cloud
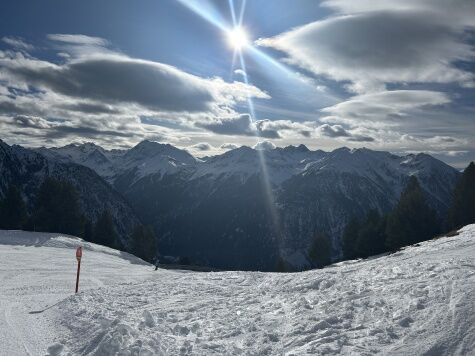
column 31, row 122
column 264, row 145
column 383, row 105
column 239, row 125
column 17, row 43
column 243, row 125
column 370, row 46
column 361, row 138
column 94, row 92
column 333, row 131
column 116, row 79
column 229, row 146
column 202, row 146
column 337, row 131
column 240, row 72
column 78, row 39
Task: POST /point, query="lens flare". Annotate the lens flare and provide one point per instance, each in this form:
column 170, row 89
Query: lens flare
column 237, row 38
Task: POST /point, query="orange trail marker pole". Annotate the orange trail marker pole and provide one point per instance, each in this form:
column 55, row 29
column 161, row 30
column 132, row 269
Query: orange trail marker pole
column 78, row 257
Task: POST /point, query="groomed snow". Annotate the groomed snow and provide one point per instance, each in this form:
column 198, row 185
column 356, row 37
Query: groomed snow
column 419, row 301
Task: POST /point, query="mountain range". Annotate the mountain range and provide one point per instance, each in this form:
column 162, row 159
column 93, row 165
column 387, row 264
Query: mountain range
column 249, row 208
column 27, row 169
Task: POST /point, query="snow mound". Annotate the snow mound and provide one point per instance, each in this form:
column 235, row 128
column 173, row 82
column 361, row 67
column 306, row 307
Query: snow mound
column 418, row 301
column 46, row 239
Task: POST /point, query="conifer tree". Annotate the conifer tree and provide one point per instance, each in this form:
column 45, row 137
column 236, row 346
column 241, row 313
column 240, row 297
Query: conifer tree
column 462, row 210
column 371, row 235
column 412, row 220
column 144, row 243
column 282, row 266
column 350, row 238
column 12, row 210
column 320, row 250
column 57, row 208
column 104, row 231
column 88, row 231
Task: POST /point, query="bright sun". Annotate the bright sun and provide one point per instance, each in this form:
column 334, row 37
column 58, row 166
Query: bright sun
column 237, row 37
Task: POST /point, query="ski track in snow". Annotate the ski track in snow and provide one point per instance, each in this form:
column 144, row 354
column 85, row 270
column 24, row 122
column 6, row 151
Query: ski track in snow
column 419, row 301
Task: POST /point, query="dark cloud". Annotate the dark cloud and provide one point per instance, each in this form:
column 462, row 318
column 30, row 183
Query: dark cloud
column 61, row 129
column 115, row 79
column 10, row 107
column 239, row 125
column 336, row 131
column 244, row 126
column 89, row 108
column 333, row 131
column 267, row 131
column 361, row 138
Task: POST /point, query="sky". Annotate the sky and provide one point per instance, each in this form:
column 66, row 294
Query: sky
column 212, row 75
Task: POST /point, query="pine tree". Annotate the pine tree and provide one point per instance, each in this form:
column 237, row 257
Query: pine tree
column 12, row 210
column 350, row 238
column 104, row 231
column 88, row 231
column 57, row 208
column 144, row 243
column 412, row 220
column 282, row 266
column 371, row 235
column 462, row 210
column 320, row 250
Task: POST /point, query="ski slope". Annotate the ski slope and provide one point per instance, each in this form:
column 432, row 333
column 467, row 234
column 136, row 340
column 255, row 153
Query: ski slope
column 419, row 301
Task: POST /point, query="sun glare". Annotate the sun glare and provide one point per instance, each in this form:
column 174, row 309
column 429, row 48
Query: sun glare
column 237, row 38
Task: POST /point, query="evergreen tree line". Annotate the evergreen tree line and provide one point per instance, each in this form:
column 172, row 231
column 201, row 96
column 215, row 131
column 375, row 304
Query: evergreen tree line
column 411, row 221
column 57, row 209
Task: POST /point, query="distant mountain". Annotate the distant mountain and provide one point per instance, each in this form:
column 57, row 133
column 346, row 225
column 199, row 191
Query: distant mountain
column 28, row 168
column 247, row 208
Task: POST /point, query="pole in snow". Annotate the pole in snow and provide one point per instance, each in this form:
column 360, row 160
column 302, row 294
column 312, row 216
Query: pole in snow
column 78, row 257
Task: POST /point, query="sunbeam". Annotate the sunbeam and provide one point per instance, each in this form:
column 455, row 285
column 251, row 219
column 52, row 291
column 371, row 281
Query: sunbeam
column 207, row 11
column 239, row 40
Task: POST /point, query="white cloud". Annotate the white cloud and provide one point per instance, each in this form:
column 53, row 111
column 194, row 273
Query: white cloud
column 372, row 45
column 240, row 72
column 78, row 39
column 201, row 146
column 229, row 146
column 383, row 105
column 264, row 145
column 17, row 43
column 96, row 92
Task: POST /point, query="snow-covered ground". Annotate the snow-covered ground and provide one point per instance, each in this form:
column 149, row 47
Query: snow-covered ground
column 420, row 301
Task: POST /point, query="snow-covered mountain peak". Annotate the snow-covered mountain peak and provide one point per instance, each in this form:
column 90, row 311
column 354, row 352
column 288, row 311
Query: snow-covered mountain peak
column 280, row 164
column 291, row 148
column 149, row 149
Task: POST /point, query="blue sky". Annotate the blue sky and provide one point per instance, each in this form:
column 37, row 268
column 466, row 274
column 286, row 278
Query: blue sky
column 395, row 76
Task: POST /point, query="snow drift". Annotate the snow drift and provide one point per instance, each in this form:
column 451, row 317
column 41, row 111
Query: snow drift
column 418, row 301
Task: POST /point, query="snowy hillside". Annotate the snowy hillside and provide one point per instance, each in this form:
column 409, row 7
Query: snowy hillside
column 419, row 301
